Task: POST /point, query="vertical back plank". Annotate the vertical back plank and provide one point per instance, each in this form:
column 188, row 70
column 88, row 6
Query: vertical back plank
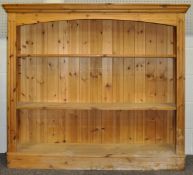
column 73, row 63
column 73, row 80
column 31, row 62
column 63, row 62
column 96, row 40
column 162, row 68
column 107, row 63
column 161, row 64
column 31, row 76
column 150, row 49
column 140, row 63
column 23, row 127
column 171, row 82
column 96, row 80
column 107, row 121
column 108, row 127
column 52, row 37
column 53, row 73
column 84, row 127
column 52, row 126
column 63, row 79
column 129, row 80
column 73, row 47
column 139, row 127
column 150, row 127
column 139, row 80
column 84, row 48
column 22, row 91
column 117, row 80
column 171, row 127
column 96, row 36
column 127, row 126
column 117, row 40
column 41, row 67
column 43, row 126
column 95, row 97
column 52, row 79
column 71, row 125
column 150, row 81
column 161, row 127
column 171, row 90
column 107, row 37
column 128, row 63
column 128, row 38
column 84, row 91
column 95, row 126
column 41, row 80
column 107, row 89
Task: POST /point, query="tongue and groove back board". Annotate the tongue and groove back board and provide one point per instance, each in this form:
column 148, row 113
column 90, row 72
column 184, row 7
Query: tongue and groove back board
column 99, row 80
column 109, row 78
column 95, row 90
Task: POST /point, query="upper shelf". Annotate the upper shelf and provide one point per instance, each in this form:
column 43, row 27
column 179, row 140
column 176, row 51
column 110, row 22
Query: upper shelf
column 96, row 55
column 96, row 106
column 107, row 8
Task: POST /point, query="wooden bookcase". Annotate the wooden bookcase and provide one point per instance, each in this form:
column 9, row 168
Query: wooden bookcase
column 96, row 86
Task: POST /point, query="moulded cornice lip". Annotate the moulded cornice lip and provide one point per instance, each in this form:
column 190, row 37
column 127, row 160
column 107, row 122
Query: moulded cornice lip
column 99, row 7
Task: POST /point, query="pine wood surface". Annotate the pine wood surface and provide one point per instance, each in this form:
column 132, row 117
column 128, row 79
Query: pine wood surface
column 30, row 161
column 96, row 86
column 109, row 7
column 96, row 126
column 96, row 106
column 95, row 55
column 99, row 150
column 87, row 70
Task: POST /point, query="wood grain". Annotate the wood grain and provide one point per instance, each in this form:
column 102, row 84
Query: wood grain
column 180, row 87
column 41, row 8
column 99, row 86
column 12, row 84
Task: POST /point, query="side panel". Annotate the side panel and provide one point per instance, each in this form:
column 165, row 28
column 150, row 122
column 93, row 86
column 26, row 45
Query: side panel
column 180, row 86
column 11, row 83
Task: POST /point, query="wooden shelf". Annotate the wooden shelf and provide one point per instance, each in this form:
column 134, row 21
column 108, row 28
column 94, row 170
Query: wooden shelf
column 99, row 106
column 98, row 150
column 96, row 55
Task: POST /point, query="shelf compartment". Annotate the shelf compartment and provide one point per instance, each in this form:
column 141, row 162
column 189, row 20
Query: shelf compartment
column 99, row 126
column 96, row 55
column 98, row 150
column 99, row 106
column 97, row 80
column 102, row 37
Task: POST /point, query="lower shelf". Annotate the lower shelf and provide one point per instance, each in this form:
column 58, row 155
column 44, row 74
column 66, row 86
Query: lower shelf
column 95, row 157
column 96, row 106
column 98, row 150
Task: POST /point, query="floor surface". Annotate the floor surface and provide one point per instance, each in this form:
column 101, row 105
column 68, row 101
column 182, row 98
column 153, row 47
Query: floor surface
column 5, row 171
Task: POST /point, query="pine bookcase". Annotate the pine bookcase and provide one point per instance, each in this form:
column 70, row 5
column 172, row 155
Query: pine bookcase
column 96, row 86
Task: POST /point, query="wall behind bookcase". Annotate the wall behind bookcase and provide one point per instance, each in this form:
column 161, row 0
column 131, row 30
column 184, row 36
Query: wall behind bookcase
column 189, row 63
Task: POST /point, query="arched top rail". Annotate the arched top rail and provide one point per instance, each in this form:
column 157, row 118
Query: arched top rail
column 154, row 13
column 34, row 18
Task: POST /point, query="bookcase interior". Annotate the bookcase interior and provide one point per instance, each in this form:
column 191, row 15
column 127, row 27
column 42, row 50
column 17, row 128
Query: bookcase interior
column 87, row 85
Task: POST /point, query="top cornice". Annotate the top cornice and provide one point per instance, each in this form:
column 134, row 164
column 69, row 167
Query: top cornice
column 107, row 7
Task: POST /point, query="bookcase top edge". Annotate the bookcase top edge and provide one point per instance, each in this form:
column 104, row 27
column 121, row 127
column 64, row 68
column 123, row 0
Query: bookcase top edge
column 99, row 7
